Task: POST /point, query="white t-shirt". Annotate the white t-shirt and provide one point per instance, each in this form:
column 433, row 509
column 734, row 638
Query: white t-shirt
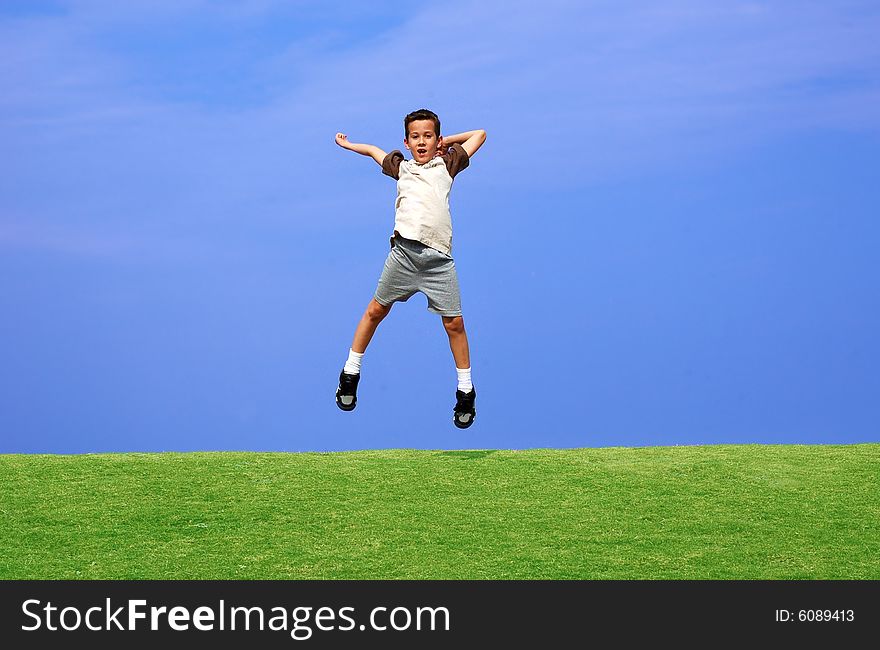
column 421, row 211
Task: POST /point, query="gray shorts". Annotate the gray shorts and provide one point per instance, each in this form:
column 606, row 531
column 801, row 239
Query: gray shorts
column 410, row 267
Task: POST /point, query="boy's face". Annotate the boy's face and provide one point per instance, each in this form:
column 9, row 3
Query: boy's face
column 422, row 141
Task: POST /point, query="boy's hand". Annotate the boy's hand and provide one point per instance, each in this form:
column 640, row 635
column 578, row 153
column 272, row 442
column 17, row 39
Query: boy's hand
column 370, row 150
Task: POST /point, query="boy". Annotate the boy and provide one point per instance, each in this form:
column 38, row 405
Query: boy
column 421, row 247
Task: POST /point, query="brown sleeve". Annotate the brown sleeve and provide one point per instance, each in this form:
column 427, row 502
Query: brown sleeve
column 391, row 164
column 456, row 159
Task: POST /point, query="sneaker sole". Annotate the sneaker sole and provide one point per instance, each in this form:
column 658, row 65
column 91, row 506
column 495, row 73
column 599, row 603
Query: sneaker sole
column 464, row 425
column 343, row 407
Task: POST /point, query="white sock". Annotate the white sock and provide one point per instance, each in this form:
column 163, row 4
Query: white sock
column 464, row 380
column 353, row 365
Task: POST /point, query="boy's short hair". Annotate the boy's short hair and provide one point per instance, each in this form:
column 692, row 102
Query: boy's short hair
column 421, row 114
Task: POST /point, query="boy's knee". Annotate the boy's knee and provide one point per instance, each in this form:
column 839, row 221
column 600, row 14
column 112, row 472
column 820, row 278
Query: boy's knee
column 453, row 324
column 376, row 311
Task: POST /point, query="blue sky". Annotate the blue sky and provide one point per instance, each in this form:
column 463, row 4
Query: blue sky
column 668, row 238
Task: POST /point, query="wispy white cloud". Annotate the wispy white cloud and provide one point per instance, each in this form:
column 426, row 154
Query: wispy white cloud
column 679, row 64
column 28, row 235
column 622, row 85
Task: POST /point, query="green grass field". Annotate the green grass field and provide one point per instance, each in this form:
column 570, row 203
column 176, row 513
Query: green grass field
column 746, row 511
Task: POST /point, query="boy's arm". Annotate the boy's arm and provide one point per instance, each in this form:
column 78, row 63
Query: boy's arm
column 469, row 140
column 364, row 149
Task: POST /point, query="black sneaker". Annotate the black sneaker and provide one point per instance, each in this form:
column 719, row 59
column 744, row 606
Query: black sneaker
column 464, row 413
column 346, row 394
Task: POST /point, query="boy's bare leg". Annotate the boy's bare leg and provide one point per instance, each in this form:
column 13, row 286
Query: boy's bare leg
column 367, row 327
column 458, row 343
column 464, row 411
column 346, row 394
